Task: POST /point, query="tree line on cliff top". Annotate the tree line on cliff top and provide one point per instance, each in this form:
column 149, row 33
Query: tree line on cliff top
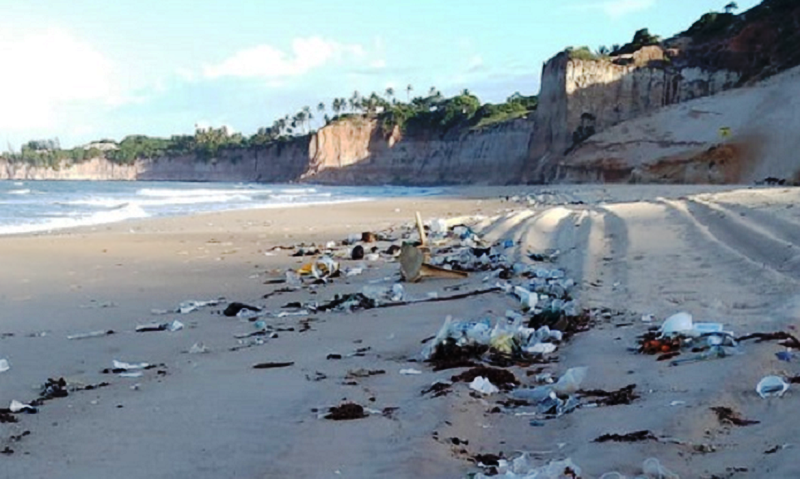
column 429, row 114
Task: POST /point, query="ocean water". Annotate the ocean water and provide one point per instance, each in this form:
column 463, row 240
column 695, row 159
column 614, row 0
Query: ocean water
column 41, row 206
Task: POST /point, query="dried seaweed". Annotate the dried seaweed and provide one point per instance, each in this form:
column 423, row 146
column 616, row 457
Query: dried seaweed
column 635, row 436
column 345, row 412
column 727, row 415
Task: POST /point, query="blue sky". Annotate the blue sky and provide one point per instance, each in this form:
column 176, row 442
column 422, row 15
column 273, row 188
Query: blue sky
column 84, row 70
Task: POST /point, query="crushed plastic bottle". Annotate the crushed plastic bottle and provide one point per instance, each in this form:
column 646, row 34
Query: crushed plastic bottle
column 398, row 292
column 198, row 348
column 770, row 386
column 129, row 366
column 192, row 305
column 527, row 298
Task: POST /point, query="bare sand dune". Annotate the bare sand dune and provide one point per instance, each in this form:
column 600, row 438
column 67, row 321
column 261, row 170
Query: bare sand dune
column 727, row 255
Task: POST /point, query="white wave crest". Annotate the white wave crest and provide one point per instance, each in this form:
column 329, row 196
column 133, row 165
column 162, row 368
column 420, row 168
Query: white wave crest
column 103, row 217
column 23, row 191
column 174, row 193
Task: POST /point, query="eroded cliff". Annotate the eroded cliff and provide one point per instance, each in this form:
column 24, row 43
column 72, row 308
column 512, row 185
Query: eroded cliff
column 580, row 98
column 740, row 136
column 354, row 151
column 362, row 153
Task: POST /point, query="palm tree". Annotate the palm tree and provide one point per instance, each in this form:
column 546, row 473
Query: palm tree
column 432, row 91
column 729, row 8
column 409, row 89
column 356, row 103
column 465, row 92
column 307, row 116
column 301, row 118
column 390, row 94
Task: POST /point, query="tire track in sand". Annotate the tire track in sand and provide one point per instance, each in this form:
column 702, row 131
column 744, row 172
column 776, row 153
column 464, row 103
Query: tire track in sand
column 755, row 243
column 727, row 274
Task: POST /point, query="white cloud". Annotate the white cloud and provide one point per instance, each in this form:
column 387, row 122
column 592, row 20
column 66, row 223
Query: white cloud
column 620, row 8
column 475, row 64
column 615, row 8
column 268, row 62
column 44, row 69
column 378, row 64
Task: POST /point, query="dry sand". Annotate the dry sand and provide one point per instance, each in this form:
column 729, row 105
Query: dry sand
column 723, row 254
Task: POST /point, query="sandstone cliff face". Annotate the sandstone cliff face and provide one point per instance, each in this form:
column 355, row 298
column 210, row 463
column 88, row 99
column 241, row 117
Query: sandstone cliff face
column 276, row 163
column 739, row 136
column 94, row 169
column 360, row 153
column 282, row 162
column 582, row 97
column 354, row 151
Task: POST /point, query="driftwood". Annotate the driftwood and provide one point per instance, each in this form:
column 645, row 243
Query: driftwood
column 437, row 299
column 789, row 340
column 421, row 228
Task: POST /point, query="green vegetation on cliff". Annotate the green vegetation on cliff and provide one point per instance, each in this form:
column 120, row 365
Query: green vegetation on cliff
column 432, row 115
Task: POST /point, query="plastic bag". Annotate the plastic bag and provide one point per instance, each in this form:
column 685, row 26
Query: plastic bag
column 653, row 469
column 571, row 381
column 483, row 386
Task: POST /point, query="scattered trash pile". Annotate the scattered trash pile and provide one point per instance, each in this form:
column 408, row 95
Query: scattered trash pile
column 521, row 468
column 679, row 333
column 460, row 343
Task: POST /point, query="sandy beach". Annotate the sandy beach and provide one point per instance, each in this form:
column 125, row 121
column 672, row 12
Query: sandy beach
column 725, row 255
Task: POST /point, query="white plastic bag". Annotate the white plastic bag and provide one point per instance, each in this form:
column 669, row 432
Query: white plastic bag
column 571, row 381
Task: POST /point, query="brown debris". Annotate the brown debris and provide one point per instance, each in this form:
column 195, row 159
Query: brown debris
column 612, row 398
column 789, row 340
column 364, row 373
column 636, row 436
column 488, row 459
column 448, row 355
column 389, row 411
column 727, row 415
column 774, row 449
column 272, row 365
column 345, row 412
column 368, row 237
column 502, row 378
column 6, row 416
column 651, row 344
column 18, row 437
column 438, row 389
column 569, row 325
column 668, row 356
column 277, row 292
